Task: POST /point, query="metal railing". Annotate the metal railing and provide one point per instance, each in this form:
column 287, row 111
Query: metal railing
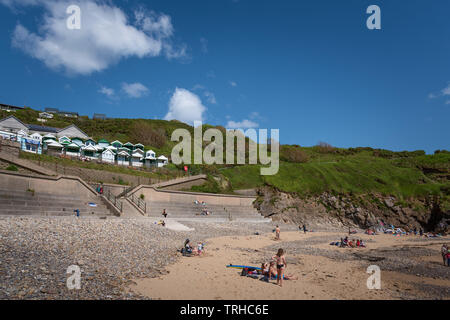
column 125, row 191
column 139, row 202
column 113, row 199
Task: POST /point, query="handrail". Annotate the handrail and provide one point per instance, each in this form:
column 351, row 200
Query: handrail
column 114, row 200
column 139, row 202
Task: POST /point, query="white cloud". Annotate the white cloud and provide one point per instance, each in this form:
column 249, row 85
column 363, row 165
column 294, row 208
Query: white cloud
column 106, row 36
column 233, row 84
column 447, row 102
column 446, row 91
column 244, row 124
column 134, row 90
column 204, row 45
column 185, row 106
column 211, row 98
column 107, row 91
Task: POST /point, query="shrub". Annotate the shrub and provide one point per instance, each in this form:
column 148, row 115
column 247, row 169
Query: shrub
column 293, row 154
column 144, row 133
column 324, row 147
column 12, row 168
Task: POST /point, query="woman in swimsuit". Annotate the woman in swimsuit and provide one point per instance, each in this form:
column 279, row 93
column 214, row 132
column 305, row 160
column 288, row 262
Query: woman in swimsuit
column 274, row 274
column 281, row 265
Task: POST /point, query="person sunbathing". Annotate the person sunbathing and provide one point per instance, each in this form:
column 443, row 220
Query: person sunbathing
column 274, row 274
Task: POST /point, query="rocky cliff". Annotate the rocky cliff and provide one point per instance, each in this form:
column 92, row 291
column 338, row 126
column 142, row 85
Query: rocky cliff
column 362, row 211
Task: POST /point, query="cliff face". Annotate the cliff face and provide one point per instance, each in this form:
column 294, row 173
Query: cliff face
column 362, row 211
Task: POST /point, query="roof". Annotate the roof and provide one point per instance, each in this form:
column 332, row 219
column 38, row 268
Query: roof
column 90, row 148
column 50, row 136
column 109, row 150
column 68, row 112
column 73, row 145
column 25, row 125
column 54, row 144
column 162, row 158
column 36, row 127
column 51, row 110
column 72, row 125
column 123, row 153
column 117, row 141
column 10, row 106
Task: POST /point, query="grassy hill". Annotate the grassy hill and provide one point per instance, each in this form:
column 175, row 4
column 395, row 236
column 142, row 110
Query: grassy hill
column 303, row 170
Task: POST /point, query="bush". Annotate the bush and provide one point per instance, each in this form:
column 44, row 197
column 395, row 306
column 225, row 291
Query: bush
column 12, row 168
column 144, row 133
column 324, row 147
column 293, row 154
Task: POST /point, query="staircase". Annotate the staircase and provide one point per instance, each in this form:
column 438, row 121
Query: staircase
column 19, row 203
column 185, row 211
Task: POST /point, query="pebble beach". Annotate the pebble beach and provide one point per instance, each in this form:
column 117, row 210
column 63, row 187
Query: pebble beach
column 138, row 259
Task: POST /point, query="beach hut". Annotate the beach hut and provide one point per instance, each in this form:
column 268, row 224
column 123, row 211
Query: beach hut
column 161, row 161
column 78, row 141
column 150, row 159
column 117, row 144
column 90, row 152
column 136, row 158
column 48, row 136
column 129, row 145
column 109, row 156
column 139, row 146
column 72, row 150
column 64, row 140
column 90, row 142
column 123, row 158
column 103, row 143
column 36, row 136
column 31, row 145
column 54, row 148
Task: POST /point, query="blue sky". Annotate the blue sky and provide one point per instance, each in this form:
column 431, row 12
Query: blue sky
column 309, row 68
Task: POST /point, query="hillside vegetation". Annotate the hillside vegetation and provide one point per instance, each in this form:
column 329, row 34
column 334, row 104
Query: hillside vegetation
column 303, row 171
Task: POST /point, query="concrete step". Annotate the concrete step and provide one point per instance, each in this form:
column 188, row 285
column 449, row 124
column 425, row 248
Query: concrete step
column 53, row 213
column 48, row 203
column 38, row 209
column 199, row 209
column 36, row 197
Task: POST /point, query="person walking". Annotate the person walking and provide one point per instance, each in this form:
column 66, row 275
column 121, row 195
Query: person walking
column 444, row 253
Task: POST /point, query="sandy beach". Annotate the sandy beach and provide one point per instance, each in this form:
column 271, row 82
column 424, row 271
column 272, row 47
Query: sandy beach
column 328, row 272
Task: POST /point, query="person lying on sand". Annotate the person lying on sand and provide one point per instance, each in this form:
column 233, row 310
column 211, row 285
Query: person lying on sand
column 273, row 274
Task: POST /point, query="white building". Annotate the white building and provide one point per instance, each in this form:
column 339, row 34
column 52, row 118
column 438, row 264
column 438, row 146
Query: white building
column 136, row 158
column 108, row 156
column 161, row 161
